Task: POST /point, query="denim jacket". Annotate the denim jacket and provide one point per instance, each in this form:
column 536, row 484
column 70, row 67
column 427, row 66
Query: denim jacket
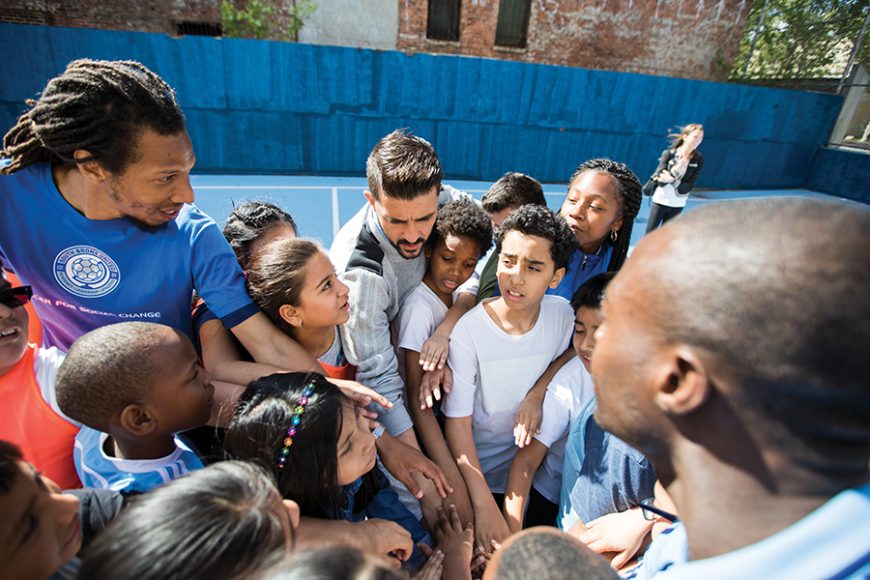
column 385, row 505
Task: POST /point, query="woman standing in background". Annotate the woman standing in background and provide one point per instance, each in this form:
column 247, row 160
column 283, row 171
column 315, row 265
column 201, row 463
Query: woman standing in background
column 679, row 167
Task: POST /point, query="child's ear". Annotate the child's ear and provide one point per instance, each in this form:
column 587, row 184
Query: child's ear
column 137, row 420
column 290, row 315
column 557, row 277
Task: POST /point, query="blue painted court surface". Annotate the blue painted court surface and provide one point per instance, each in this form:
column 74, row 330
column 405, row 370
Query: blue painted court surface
column 321, row 205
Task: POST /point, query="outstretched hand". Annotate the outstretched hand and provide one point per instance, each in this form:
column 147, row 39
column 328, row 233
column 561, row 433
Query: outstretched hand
column 619, row 532
column 402, row 460
column 433, row 353
column 433, row 384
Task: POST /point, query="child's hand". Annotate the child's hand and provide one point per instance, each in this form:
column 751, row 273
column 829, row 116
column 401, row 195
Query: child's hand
column 402, row 461
column 361, row 395
column 434, row 565
column 433, row 353
column 528, row 422
column 620, row 532
column 490, row 526
column 432, row 384
column 453, row 539
column 388, row 539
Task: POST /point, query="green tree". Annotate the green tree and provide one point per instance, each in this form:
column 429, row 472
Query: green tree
column 258, row 19
column 800, row 39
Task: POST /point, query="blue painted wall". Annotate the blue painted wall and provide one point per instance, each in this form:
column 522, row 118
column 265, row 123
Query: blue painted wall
column 841, row 172
column 271, row 107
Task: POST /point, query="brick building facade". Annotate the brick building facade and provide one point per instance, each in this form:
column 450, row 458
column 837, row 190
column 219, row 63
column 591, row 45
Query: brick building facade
column 695, row 39
column 681, row 38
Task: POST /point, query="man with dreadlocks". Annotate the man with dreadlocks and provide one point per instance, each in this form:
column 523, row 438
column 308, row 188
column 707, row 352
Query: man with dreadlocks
column 97, row 214
column 99, row 176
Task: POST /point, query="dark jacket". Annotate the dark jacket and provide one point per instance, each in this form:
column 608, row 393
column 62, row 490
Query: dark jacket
column 667, row 160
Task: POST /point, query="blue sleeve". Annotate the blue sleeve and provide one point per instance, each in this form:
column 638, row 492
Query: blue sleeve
column 217, row 276
column 386, row 505
column 633, row 475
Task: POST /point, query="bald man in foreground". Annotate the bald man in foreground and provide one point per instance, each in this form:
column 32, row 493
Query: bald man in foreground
column 735, row 354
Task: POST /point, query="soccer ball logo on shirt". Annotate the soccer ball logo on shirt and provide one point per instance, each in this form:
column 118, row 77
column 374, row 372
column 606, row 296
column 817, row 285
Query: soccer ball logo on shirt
column 86, row 272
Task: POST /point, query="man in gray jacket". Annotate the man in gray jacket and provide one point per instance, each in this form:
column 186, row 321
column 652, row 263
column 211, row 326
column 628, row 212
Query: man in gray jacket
column 379, row 255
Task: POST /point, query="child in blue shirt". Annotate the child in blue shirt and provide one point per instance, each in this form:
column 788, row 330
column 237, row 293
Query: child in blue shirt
column 134, row 386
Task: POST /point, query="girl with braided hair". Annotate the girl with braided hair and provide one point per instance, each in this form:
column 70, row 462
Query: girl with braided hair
column 603, row 199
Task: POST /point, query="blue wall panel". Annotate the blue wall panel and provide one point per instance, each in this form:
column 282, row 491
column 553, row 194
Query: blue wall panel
column 841, row 172
column 273, row 107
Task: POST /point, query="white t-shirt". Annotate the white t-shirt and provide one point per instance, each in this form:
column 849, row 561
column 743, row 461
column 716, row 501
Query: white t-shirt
column 421, row 313
column 667, row 194
column 493, row 371
column 567, row 395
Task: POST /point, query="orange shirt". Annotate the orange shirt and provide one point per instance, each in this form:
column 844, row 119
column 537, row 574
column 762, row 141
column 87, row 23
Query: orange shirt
column 46, row 439
column 346, row 371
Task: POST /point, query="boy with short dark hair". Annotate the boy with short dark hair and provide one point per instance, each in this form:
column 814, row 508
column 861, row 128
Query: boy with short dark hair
column 567, row 395
column 461, row 235
column 512, row 190
column 134, row 385
column 498, row 350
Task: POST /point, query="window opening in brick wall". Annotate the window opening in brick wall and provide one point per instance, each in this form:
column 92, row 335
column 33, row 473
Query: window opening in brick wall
column 443, row 23
column 198, row 28
column 513, row 23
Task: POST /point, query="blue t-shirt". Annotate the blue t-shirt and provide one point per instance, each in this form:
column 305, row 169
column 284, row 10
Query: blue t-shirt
column 582, row 267
column 98, row 470
column 602, row 474
column 831, row 542
column 90, row 273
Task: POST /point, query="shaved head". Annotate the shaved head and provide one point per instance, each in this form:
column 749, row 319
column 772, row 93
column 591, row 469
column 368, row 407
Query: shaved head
column 545, row 553
column 775, row 294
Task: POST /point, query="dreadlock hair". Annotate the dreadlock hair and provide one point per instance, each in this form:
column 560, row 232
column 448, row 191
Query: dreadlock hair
column 95, row 105
column 248, row 222
column 628, row 189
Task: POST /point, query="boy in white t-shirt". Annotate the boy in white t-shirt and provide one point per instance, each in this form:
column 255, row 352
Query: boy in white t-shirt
column 498, row 350
column 462, row 234
column 567, row 395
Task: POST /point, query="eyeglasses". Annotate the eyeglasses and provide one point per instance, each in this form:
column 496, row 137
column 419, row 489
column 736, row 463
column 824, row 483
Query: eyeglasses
column 651, row 512
column 15, row 297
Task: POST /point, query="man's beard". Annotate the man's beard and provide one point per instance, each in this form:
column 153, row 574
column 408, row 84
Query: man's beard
column 141, row 225
column 398, row 247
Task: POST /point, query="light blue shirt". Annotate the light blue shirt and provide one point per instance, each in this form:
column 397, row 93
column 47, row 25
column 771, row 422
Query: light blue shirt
column 602, row 474
column 831, row 542
column 98, row 470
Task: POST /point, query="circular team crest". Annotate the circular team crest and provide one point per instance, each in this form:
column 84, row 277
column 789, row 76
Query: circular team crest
column 86, row 271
